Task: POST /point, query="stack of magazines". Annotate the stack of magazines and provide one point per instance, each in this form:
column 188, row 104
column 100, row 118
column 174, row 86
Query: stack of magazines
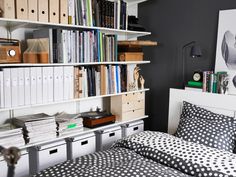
column 68, row 123
column 10, row 136
column 36, row 127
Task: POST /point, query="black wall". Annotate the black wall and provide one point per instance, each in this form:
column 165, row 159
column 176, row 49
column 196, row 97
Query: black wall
column 174, row 23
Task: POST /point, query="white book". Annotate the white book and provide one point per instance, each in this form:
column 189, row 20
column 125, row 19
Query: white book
column 50, row 84
column 98, row 83
column 45, row 84
column 7, row 87
column 27, row 86
column 119, row 80
column 21, row 88
column 66, row 76
column 69, row 57
column 118, row 14
column 58, row 83
column 85, row 81
column 107, row 82
column 114, row 80
column 39, row 84
column 64, row 46
column 33, row 85
column 77, row 46
column 1, row 90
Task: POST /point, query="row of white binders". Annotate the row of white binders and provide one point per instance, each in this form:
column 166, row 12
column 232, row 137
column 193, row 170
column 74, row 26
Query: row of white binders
column 35, row 85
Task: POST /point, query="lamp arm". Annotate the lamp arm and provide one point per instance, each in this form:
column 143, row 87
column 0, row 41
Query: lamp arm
column 183, row 59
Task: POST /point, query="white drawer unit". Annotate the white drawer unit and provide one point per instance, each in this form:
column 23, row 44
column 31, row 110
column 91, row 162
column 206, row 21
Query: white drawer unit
column 105, row 138
column 81, row 145
column 47, row 155
column 21, row 168
column 132, row 128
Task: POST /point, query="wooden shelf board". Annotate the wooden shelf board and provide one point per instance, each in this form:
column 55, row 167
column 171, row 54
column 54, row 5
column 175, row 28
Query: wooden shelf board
column 16, row 23
column 73, row 64
column 81, row 132
column 73, row 100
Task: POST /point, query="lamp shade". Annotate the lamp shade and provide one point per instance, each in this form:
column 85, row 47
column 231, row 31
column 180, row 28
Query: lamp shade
column 196, row 51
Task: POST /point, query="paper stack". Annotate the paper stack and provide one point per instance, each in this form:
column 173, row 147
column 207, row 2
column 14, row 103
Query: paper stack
column 10, row 136
column 68, row 123
column 37, row 127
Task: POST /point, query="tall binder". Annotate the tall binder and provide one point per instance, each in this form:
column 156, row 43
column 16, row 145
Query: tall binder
column 22, row 9
column 8, row 8
column 45, row 85
column 43, row 11
column 39, row 83
column 21, row 87
column 14, row 87
column 63, row 11
column 27, row 86
column 50, row 84
column 58, row 83
column 33, row 10
column 7, row 87
column 33, row 86
column 1, row 90
column 68, row 82
column 54, row 11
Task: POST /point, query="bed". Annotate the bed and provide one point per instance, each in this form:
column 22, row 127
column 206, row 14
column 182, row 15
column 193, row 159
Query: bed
column 157, row 154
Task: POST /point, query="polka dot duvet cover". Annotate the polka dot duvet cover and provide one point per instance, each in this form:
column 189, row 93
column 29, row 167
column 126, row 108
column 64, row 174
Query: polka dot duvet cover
column 149, row 154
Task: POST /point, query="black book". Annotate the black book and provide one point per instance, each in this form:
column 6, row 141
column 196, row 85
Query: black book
column 93, row 81
column 123, row 78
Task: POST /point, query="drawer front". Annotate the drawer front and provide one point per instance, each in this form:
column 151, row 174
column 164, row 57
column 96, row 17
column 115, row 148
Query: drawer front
column 133, row 97
column 127, row 131
column 83, row 147
column 133, row 105
column 107, row 139
column 52, row 156
column 132, row 114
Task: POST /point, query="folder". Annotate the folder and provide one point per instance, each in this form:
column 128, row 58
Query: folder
column 63, row 11
column 14, row 87
column 50, row 84
column 8, row 8
column 71, row 82
column 22, row 9
column 54, row 11
column 7, row 87
column 27, row 86
column 33, row 10
column 21, row 87
column 33, row 86
column 1, row 90
column 66, row 75
column 43, row 11
column 45, row 84
column 39, row 83
column 58, row 83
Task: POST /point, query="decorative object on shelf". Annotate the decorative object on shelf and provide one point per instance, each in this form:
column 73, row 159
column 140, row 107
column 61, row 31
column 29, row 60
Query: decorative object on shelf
column 195, row 52
column 11, row 156
column 10, row 51
column 197, row 76
column 133, row 24
column 226, row 47
column 142, row 81
column 37, row 51
column 136, row 77
column 224, row 82
column 132, row 50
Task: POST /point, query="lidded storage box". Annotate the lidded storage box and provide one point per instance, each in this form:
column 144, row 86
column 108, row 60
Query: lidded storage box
column 132, row 128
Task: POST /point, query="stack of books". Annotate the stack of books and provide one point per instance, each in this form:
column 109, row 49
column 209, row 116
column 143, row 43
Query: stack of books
column 10, row 136
column 83, row 47
column 68, row 123
column 36, row 127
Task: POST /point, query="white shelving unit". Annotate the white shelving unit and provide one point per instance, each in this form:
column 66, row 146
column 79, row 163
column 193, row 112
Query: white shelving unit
column 16, row 28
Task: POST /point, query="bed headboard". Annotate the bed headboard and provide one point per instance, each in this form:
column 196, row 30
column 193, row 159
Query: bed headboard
column 221, row 104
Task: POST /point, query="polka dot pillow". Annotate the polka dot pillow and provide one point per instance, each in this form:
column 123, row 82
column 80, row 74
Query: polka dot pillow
column 205, row 127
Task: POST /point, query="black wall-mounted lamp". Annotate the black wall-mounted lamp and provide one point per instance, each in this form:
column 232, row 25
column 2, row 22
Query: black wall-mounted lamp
column 195, row 52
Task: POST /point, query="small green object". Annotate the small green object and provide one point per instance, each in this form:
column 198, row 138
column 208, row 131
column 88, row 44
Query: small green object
column 72, row 126
column 195, row 84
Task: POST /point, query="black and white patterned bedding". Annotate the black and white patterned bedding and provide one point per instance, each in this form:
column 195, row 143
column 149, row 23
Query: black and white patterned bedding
column 150, row 154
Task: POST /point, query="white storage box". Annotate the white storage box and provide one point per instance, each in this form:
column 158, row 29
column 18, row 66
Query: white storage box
column 47, row 155
column 106, row 137
column 21, row 169
column 132, row 128
column 81, row 145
